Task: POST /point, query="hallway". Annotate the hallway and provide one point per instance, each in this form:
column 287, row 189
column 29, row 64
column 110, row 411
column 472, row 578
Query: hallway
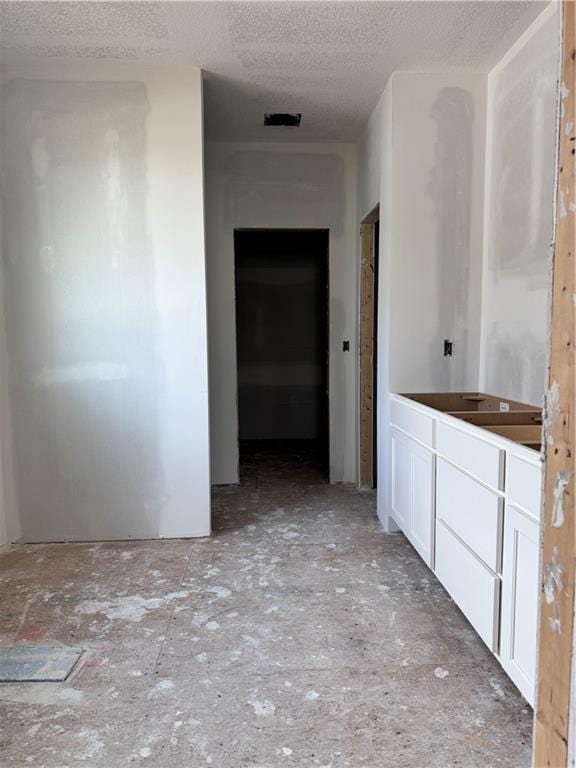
column 300, row 634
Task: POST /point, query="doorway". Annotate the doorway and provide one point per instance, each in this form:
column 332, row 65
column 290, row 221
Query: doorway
column 282, row 354
column 370, row 236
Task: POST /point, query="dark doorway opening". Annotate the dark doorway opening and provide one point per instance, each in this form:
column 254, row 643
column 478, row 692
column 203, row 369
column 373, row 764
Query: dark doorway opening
column 282, row 354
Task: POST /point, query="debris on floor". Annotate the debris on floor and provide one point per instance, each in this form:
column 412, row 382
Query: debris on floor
column 300, row 635
column 37, row 663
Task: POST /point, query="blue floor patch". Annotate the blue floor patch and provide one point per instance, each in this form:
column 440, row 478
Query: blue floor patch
column 37, row 663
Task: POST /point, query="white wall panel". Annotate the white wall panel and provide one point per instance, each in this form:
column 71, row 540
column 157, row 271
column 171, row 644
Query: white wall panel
column 282, row 186
column 520, row 171
column 105, row 302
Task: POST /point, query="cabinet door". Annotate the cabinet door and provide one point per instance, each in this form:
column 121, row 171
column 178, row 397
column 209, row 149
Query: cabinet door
column 399, row 477
column 520, row 593
column 421, row 476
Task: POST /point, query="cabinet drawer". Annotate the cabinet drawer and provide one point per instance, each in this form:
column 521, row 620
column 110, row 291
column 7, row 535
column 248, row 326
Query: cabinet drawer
column 524, row 484
column 474, row 588
column 415, row 423
column 482, row 459
column 471, row 511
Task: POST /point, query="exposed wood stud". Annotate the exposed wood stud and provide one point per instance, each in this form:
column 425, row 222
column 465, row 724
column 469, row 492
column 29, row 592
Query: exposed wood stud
column 367, row 328
column 559, row 545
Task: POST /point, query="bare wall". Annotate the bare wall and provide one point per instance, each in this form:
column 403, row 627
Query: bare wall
column 522, row 96
column 281, row 186
column 437, row 178
column 422, row 158
column 103, row 246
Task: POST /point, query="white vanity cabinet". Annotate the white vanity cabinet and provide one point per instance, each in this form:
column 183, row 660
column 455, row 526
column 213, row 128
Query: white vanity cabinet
column 413, row 491
column 520, row 589
column 520, row 574
column 473, row 586
column 469, row 541
column 468, row 500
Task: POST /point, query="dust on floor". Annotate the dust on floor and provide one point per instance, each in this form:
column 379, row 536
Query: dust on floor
column 299, row 635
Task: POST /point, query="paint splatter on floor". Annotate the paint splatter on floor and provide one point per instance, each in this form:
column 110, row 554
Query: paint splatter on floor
column 328, row 648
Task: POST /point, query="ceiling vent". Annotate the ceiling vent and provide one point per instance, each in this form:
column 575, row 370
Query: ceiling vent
column 283, row 119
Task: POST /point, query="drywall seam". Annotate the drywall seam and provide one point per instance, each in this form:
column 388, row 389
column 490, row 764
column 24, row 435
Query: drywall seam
column 486, row 223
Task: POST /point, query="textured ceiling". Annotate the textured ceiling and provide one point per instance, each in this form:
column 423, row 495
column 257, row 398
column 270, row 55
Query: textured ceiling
column 329, row 60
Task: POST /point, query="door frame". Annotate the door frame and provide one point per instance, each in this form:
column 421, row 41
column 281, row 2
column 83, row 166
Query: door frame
column 368, row 329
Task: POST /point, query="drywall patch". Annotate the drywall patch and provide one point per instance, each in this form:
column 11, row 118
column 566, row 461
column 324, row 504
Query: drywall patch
column 310, row 186
column 523, row 93
column 524, row 144
column 516, row 364
column 451, row 190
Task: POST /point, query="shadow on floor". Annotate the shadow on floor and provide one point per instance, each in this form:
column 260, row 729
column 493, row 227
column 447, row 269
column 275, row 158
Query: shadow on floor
column 283, row 462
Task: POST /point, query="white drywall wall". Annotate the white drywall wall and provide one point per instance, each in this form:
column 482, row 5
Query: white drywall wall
column 370, row 159
column 522, row 95
column 9, row 518
column 275, row 186
column 422, row 158
column 105, row 300
column 438, row 136
column 10, row 527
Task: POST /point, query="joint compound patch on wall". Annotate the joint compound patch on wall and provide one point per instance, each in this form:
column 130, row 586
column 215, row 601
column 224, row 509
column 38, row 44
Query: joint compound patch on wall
column 436, row 189
column 523, row 93
column 451, row 190
column 309, row 186
column 81, row 309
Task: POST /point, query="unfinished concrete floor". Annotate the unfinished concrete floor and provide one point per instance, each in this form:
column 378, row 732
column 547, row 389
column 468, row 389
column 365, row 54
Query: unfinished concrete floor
column 299, row 635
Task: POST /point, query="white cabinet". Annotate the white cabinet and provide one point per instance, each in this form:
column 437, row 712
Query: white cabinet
column 413, row 474
column 472, row 511
column 524, row 484
column 483, row 459
column 520, row 592
column 421, row 466
column 473, row 586
column 412, row 422
column 399, row 477
column 469, row 502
